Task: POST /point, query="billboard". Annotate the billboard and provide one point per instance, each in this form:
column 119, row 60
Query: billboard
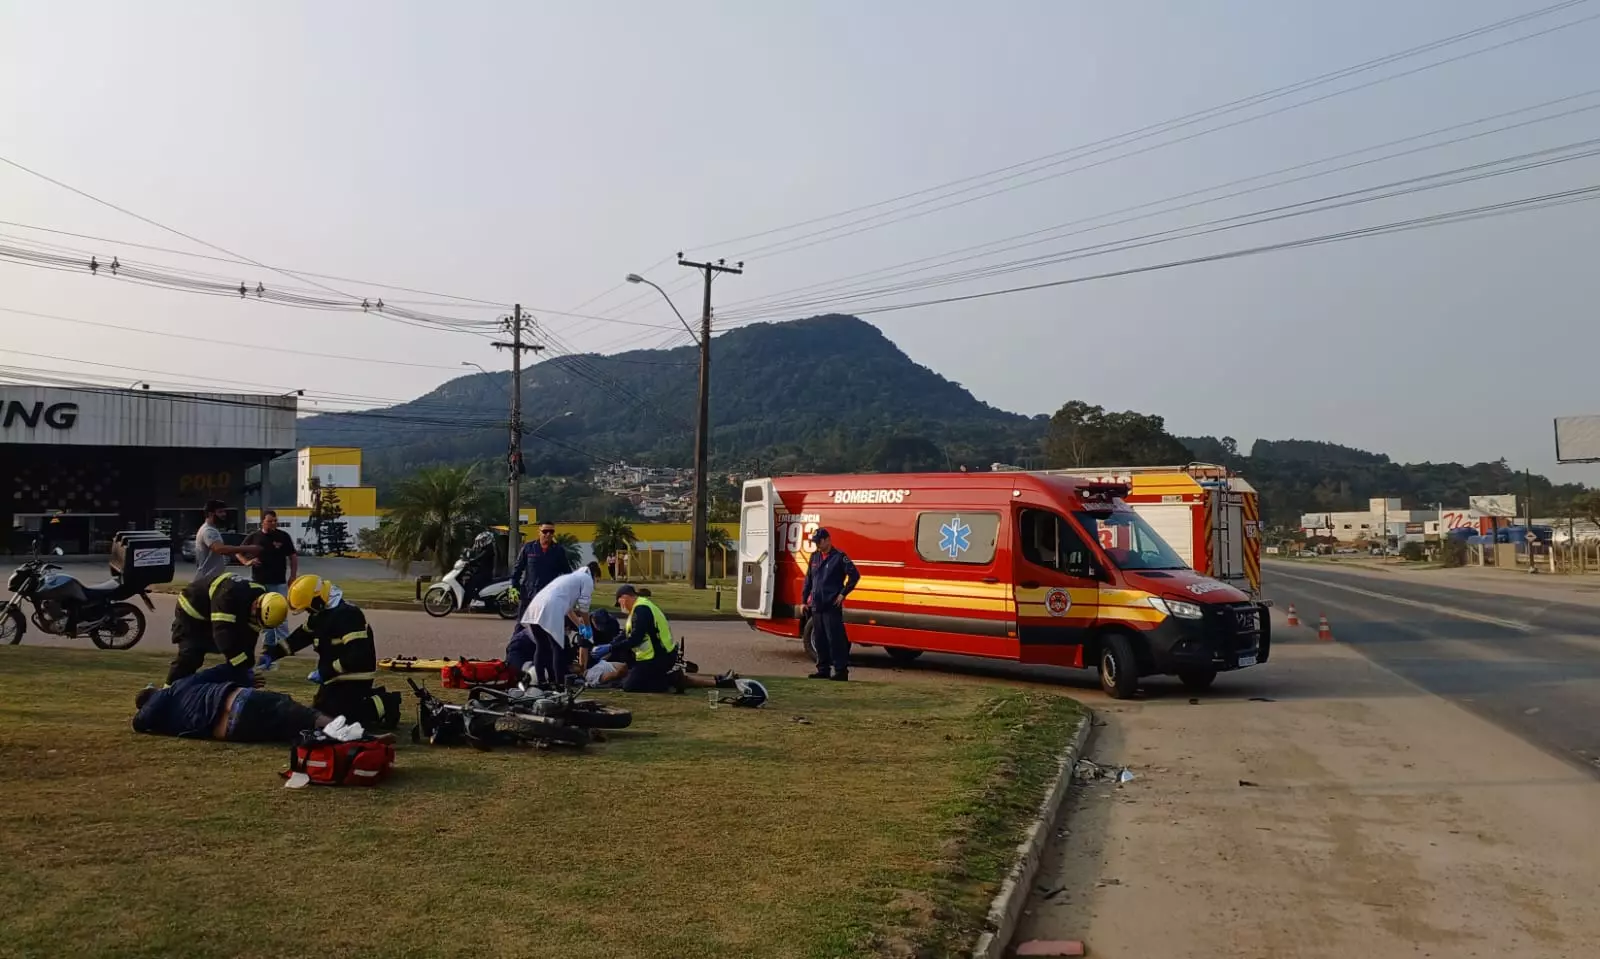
column 1577, row 439
column 1502, row 504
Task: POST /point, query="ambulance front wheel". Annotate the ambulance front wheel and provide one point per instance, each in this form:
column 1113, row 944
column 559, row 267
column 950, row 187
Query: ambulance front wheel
column 805, row 639
column 1119, row 667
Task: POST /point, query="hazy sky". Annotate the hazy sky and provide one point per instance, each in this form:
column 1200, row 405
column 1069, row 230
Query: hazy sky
column 538, row 152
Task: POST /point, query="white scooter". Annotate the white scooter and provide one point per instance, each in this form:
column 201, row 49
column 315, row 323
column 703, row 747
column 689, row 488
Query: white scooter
column 450, row 594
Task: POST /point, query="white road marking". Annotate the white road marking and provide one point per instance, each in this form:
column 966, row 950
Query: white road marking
column 1431, row 607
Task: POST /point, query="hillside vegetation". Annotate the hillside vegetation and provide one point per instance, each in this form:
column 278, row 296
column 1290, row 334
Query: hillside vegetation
column 833, row 394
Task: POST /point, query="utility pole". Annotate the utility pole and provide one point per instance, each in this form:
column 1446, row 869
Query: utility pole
column 513, row 324
column 697, row 535
column 1527, row 531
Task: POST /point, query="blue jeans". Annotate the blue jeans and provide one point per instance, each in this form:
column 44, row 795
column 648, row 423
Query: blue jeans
column 277, row 634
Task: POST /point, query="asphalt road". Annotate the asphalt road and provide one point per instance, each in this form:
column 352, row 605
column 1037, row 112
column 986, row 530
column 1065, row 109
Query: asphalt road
column 1530, row 665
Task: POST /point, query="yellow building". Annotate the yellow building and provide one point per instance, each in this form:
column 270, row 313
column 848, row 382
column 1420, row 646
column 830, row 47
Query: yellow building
column 337, row 470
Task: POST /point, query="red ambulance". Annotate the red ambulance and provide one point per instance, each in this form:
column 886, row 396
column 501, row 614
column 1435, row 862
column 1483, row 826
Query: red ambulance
column 1054, row 570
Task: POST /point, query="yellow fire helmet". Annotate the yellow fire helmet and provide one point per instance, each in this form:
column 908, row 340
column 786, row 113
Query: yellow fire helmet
column 271, row 610
column 309, row 592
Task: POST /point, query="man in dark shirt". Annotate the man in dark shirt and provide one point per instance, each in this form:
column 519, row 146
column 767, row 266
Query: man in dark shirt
column 223, row 702
column 275, row 567
column 829, row 579
column 537, row 564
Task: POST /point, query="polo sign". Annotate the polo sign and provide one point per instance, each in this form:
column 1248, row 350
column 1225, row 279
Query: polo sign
column 56, row 416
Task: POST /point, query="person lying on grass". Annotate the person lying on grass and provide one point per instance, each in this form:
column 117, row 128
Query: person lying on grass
column 224, row 702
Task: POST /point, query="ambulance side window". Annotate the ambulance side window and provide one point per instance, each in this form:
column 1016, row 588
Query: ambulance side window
column 1049, row 541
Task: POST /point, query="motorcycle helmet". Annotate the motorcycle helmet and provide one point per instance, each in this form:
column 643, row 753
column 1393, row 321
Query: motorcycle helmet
column 270, row 611
column 747, row 693
column 483, row 540
column 311, row 593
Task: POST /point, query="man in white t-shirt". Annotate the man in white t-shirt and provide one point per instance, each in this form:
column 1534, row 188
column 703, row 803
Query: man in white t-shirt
column 541, row 640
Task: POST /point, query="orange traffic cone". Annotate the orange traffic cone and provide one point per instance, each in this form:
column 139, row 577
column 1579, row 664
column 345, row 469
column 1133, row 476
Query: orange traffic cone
column 1294, row 618
column 1323, row 630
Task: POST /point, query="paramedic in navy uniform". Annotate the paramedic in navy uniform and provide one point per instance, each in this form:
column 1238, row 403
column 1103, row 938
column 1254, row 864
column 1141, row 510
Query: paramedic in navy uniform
column 829, row 579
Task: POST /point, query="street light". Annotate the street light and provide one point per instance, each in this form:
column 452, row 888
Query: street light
column 536, row 429
column 475, row 366
column 636, row 278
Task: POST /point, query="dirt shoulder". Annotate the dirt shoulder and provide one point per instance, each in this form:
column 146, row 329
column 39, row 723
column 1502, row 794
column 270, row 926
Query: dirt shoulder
column 1375, row 820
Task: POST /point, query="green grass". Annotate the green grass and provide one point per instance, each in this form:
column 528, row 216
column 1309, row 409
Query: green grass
column 880, row 827
column 675, row 597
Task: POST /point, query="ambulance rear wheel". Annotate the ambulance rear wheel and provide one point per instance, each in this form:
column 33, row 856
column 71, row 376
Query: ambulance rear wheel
column 902, row 655
column 1119, row 667
column 806, row 632
column 1197, row 680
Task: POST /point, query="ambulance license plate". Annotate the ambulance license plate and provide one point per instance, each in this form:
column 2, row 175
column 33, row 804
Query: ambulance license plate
column 1247, row 660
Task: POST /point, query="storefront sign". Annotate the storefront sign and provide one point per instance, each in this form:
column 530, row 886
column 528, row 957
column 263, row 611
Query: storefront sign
column 56, row 416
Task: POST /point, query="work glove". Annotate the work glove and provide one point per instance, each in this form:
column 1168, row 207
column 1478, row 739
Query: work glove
column 516, row 597
column 600, row 652
column 265, row 662
column 315, row 676
column 586, row 631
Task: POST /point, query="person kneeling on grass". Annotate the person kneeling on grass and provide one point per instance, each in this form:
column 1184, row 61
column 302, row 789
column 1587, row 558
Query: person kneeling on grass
column 347, row 660
column 644, row 658
column 224, row 702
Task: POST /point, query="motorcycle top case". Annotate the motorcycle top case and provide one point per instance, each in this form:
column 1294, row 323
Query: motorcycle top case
column 467, row 673
column 361, row 762
column 142, row 558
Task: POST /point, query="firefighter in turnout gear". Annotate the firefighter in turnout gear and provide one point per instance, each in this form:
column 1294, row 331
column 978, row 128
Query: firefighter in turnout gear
column 347, row 660
column 221, row 613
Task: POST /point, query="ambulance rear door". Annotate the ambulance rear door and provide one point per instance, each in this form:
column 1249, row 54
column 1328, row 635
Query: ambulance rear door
column 757, row 560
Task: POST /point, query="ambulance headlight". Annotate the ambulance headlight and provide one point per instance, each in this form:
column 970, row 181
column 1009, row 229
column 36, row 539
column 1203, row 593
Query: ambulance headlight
column 1176, row 607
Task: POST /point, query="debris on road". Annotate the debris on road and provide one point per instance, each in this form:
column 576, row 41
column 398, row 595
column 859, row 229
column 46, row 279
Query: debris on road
column 1246, row 782
column 1087, row 770
column 1050, row 947
column 1262, row 699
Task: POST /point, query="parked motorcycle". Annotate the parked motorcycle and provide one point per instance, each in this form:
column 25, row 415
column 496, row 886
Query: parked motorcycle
column 63, row 606
column 453, row 592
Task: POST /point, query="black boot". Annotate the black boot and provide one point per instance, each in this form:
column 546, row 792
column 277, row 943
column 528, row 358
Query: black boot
column 841, row 676
column 821, row 673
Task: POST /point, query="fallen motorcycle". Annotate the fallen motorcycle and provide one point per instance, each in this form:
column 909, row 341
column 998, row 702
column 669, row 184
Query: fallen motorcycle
column 564, row 705
column 484, row 726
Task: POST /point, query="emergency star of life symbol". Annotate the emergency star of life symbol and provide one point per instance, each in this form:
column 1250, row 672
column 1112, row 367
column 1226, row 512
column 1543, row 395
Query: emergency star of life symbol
column 955, row 537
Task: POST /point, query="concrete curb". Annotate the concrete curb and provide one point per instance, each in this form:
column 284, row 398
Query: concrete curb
column 1006, row 908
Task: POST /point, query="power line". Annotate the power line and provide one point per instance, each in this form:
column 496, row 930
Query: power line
column 1021, row 168
column 1046, row 234
column 876, row 221
column 1534, row 160
column 1527, row 204
column 252, row 347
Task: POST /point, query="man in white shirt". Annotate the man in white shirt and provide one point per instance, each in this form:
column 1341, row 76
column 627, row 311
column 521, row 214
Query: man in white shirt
column 541, row 640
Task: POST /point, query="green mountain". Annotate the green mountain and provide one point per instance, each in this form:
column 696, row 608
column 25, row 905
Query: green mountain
column 829, row 393
column 833, row 394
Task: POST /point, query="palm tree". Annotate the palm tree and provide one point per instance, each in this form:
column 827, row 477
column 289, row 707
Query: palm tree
column 569, row 542
column 436, row 513
column 719, row 549
column 612, row 536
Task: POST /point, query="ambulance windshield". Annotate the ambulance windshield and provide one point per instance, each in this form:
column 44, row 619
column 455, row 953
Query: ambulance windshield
column 1129, row 541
